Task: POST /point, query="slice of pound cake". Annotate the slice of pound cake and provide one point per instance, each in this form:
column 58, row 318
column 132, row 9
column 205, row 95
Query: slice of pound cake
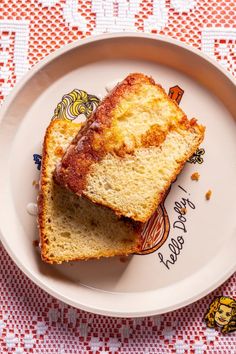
column 71, row 227
column 130, row 149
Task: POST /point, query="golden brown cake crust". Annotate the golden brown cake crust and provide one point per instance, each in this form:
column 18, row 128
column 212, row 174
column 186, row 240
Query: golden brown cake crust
column 41, row 196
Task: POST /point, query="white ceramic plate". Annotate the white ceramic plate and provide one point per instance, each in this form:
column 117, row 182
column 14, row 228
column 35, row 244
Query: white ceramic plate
column 146, row 284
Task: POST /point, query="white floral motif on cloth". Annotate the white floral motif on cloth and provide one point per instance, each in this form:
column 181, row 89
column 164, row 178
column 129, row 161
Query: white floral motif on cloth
column 20, row 31
column 115, row 16
column 220, row 43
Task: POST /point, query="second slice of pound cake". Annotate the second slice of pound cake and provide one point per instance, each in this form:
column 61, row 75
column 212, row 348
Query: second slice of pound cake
column 72, row 227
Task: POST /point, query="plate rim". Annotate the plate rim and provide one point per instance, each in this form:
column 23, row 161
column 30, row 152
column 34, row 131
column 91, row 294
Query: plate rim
column 20, row 84
column 67, row 47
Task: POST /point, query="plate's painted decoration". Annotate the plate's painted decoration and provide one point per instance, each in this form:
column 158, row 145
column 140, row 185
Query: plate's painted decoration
column 74, row 104
column 37, row 160
column 176, row 93
column 155, row 231
column 221, row 314
column 197, row 156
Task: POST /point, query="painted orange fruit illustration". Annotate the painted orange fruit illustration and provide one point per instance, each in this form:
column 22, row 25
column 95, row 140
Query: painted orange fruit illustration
column 155, row 231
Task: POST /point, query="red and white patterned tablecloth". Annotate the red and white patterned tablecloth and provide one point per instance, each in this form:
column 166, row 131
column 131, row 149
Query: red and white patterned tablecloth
column 31, row 321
